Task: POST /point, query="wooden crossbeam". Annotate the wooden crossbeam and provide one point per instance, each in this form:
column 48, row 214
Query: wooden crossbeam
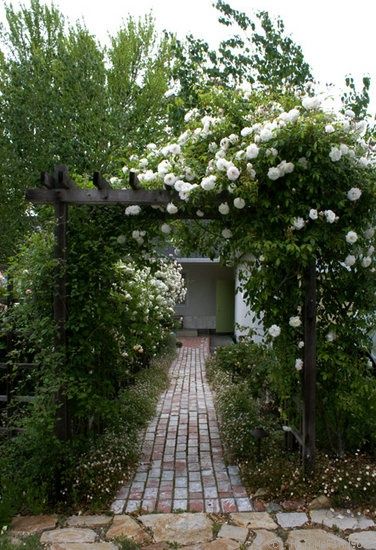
column 101, row 184
column 96, row 197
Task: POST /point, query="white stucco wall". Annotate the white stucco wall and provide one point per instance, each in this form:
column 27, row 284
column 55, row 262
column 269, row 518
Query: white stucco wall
column 244, row 316
column 199, row 309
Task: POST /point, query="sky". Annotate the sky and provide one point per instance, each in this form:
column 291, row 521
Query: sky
column 336, row 35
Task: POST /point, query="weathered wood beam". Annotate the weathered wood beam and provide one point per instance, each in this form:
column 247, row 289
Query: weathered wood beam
column 134, row 182
column 61, row 178
column 95, row 196
column 101, row 184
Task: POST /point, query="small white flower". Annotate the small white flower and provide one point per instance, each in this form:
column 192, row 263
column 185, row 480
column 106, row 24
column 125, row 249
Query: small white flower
column 222, row 164
column 132, row 210
column 335, row 154
column 298, row 223
column 366, row 262
column 274, row 173
column 233, row 138
column 239, row 203
column 344, row 149
column 350, row 260
column 298, row 364
column 171, row 208
column 295, row 322
column 226, row 233
column 274, row 331
column 200, row 213
column 350, row 113
column 125, row 169
column 363, row 162
column 329, row 129
column 224, row 208
column 233, row 173
column 252, row 151
column 213, row 147
column 301, row 344
column 164, row 167
column 354, row 194
column 313, row 214
column 165, row 228
column 370, row 251
column 271, row 152
column 121, row 239
column 351, row 237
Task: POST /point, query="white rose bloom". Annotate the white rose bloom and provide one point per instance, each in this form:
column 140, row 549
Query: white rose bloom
column 220, row 154
column 292, row 115
column 351, row 237
column 239, row 203
column 164, row 167
column 144, row 163
column 330, row 216
column 298, row 223
column 212, row 147
column 224, row 143
column 208, row 183
column 363, row 161
column 165, row 228
column 246, row 132
column 125, row 169
column 366, row 262
column 171, row 208
column 298, row 364
column 274, row 331
column 303, row 162
column 233, row 173
column 170, row 179
column 361, row 127
column 331, row 336
column 121, row 239
column 350, row 260
column 313, row 214
column 311, row 103
column 286, row 167
column 224, row 208
column 222, row 164
column 115, row 180
column 335, row 154
column 350, row 113
column 179, row 185
column 301, row 344
column 354, row 194
column 271, row 152
column 231, row 188
column 252, row 151
column 226, row 233
column 151, row 146
column 251, row 171
column 233, row 138
column 295, row 322
column 266, row 135
column 274, row 173
column 200, row 213
column 329, row 129
column 240, row 155
column 132, row 210
column 369, row 233
column 344, row 149
column 370, row 251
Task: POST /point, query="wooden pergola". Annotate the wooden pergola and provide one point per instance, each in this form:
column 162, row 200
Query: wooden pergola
column 60, row 191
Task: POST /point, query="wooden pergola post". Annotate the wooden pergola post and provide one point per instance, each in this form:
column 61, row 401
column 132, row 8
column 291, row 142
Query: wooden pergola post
column 309, row 370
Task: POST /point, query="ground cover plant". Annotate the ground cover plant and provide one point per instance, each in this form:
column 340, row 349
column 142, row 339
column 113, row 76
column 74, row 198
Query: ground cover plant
column 246, row 398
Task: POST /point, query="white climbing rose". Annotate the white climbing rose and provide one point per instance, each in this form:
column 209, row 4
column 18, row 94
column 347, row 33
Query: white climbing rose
column 351, row 237
column 239, row 203
column 274, row 331
column 224, row 208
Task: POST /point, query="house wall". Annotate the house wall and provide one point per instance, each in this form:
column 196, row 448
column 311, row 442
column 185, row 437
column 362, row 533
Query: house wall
column 199, row 310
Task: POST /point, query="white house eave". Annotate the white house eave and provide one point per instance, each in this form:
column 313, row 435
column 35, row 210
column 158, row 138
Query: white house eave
column 197, row 261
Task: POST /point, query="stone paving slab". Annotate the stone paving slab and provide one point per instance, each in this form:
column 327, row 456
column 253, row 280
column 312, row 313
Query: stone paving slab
column 341, row 519
column 363, row 539
column 32, row 524
column 68, row 534
column 182, row 467
column 266, row 540
column 312, row 539
column 288, row 520
column 181, row 528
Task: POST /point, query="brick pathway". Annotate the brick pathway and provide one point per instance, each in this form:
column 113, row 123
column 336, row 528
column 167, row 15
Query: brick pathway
column 182, row 464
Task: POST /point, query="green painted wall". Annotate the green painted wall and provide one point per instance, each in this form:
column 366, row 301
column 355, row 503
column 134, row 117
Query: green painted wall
column 225, row 298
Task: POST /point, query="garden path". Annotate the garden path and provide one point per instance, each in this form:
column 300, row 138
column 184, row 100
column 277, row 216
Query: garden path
column 182, row 465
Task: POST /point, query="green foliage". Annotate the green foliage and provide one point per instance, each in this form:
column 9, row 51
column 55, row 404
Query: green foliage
column 29, row 543
column 65, row 98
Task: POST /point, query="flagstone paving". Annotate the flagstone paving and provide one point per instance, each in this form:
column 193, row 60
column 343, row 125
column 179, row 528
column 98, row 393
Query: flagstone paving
column 182, row 465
